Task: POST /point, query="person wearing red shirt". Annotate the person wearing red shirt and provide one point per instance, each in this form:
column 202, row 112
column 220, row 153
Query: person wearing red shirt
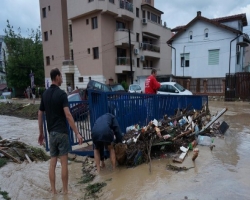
column 151, row 84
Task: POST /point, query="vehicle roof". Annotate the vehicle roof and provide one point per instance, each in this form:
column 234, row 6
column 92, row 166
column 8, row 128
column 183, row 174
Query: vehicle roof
column 168, row 83
column 71, row 95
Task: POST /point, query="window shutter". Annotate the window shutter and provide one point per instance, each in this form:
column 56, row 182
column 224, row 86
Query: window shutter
column 213, row 57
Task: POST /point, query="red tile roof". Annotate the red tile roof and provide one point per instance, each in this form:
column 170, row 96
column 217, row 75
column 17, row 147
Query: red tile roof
column 217, row 22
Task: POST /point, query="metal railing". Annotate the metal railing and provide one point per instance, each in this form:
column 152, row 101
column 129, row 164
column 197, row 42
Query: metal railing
column 124, row 61
column 68, row 62
column 126, row 5
column 150, row 47
column 147, row 1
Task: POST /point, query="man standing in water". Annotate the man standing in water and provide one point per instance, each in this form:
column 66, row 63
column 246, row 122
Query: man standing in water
column 103, row 132
column 54, row 103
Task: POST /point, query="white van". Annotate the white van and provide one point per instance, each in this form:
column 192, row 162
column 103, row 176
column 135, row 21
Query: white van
column 173, row 88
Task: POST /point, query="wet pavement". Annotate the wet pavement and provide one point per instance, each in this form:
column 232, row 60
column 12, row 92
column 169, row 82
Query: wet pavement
column 219, row 174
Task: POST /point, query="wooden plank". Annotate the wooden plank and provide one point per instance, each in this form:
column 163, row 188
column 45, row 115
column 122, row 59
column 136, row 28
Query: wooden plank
column 9, row 156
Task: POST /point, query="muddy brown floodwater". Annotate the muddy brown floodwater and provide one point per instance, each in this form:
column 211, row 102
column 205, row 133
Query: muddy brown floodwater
column 221, row 174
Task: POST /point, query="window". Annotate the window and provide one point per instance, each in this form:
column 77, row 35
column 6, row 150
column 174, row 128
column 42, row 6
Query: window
column 72, row 54
column 238, row 52
column 95, row 52
column 213, row 57
column 87, row 21
column 143, row 14
column 47, row 60
column 137, row 12
column 138, row 62
column 120, row 25
column 70, row 33
column 153, row 17
column 94, row 23
column 52, row 57
column 91, row 0
column 206, row 33
column 190, row 35
column 50, row 32
column 49, row 8
column 148, row 15
column 159, row 20
column 88, row 50
column 111, row 1
column 167, row 88
column 44, row 12
column 151, row 63
column 45, row 34
column 185, row 60
column 80, row 79
column 137, row 37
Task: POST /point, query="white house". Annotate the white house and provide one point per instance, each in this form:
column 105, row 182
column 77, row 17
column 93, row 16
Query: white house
column 208, row 49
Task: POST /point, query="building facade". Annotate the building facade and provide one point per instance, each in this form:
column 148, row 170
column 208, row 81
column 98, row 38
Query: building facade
column 3, row 60
column 96, row 39
column 205, row 50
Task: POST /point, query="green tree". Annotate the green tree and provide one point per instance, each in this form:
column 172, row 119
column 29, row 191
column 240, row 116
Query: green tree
column 25, row 54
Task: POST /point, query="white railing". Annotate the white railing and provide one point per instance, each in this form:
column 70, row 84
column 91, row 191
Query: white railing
column 124, row 61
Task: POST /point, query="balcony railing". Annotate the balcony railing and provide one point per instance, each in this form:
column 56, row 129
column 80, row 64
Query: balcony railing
column 124, row 61
column 126, row 5
column 150, row 47
column 68, row 62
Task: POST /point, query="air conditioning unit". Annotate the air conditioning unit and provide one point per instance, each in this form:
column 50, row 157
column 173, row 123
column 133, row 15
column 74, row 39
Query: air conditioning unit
column 136, row 51
column 142, row 58
column 144, row 21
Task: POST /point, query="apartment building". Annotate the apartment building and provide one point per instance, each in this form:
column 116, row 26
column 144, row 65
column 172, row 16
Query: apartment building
column 89, row 39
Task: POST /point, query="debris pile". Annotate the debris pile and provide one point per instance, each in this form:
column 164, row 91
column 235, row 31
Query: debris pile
column 18, row 151
column 183, row 131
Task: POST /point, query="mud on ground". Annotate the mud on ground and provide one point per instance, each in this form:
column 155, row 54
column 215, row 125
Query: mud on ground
column 27, row 111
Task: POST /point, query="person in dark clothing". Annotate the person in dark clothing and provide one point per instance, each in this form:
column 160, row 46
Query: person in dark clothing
column 103, row 132
column 54, row 103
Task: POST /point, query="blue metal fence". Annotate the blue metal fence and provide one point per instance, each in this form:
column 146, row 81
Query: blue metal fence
column 131, row 109
column 128, row 108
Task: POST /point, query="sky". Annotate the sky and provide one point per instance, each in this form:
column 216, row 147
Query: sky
column 26, row 13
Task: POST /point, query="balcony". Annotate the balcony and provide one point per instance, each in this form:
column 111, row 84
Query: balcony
column 121, row 37
column 151, row 50
column 126, row 10
column 123, row 64
column 126, row 5
column 150, row 47
column 68, row 66
column 146, row 2
column 79, row 8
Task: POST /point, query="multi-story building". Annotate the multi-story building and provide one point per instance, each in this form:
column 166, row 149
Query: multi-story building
column 90, row 40
column 3, row 60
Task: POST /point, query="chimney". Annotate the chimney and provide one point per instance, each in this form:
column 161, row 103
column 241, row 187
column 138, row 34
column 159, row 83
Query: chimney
column 198, row 13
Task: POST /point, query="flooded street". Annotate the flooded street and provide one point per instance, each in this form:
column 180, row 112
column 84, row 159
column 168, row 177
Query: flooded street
column 219, row 174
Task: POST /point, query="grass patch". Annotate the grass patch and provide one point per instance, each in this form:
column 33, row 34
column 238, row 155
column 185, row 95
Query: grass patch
column 5, row 194
column 92, row 189
column 3, row 162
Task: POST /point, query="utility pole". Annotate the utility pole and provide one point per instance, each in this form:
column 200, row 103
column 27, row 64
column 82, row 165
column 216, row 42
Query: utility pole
column 130, row 56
